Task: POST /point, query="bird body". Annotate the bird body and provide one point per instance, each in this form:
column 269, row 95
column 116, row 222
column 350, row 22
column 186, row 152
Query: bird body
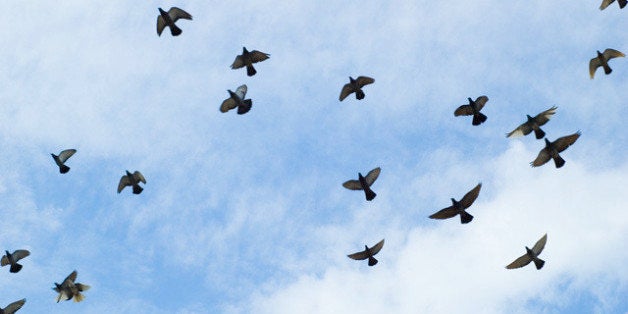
column 368, row 253
column 13, row 258
column 61, row 158
column 364, row 183
column 531, row 255
column 13, row 307
column 552, row 150
column 132, row 179
column 169, row 18
column 473, row 108
column 602, row 61
column 534, row 124
column 459, row 208
column 236, row 99
column 68, row 289
column 355, row 86
column 246, row 59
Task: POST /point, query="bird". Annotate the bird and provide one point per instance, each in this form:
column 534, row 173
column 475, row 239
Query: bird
column 246, row 59
column 132, row 179
column 355, row 85
column 605, row 3
column 61, row 158
column 531, row 256
column 460, row 207
column 552, row 149
column 534, row 124
column 11, row 259
column 602, row 61
column 68, row 289
column 364, row 183
column 13, row 307
column 237, row 100
column 368, row 253
column 169, row 18
column 473, row 108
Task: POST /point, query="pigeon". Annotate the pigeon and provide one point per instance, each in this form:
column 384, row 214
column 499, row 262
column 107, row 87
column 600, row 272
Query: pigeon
column 534, row 124
column 368, row 253
column 459, row 207
column 552, row 149
column 132, row 179
column 531, row 256
column 63, row 156
column 355, row 86
column 246, row 59
column 364, row 183
column 473, row 108
column 602, row 61
column 605, row 3
column 169, row 18
column 11, row 259
column 68, row 289
column 13, row 307
column 237, row 100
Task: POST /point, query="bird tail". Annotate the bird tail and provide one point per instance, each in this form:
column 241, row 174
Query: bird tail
column 64, row 169
column 607, row 69
column 622, row 3
column 559, row 161
column 539, row 133
column 372, row 261
column 15, row 268
column 245, row 107
column 175, row 30
column 479, row 118
column 250, row 70
column 539, row 263
column 359, row 94
column 370, row 195
column 78, row 297
column 465, row 217
column 137, row 189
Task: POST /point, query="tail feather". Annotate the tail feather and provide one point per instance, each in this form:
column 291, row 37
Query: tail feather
column 372, row 261
column 15, row 268
column 175, row 30
column 539, row 263
column 607, row 69
column 559, row 161
column 465, row 217
column 478, row 118
column 250, row 70
column 137, row 189
column 247, row 104
column 539, row 133
column 79, row 297
column 370, row 195
column 622, row 3
column 64, row 169
column 359, row 94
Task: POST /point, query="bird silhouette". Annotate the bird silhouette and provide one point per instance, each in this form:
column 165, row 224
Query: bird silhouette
column 11, row 259
column 13, row 307
column 355, row 86
column 531, row 256
column 534, row 124
column 459, row 208
column 602, row 61
column 246, row 59
column 132, row 179
column 364, row 183
column 552, row 149
column 368, row 253
column 63, row 156
column 68, row 289
column 473, row 108
column 605, row 3
column 169, row 18
column 237, row 100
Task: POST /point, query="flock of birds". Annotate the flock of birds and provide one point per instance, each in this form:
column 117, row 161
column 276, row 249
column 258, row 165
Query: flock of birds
column 69, row 289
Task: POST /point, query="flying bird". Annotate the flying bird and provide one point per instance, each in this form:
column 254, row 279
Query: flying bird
column 63, row 156
column 473, row 108
column 534, row 124
column 531, row 256
column 237, row 100
column 11, row 259
column 355, row 86
column 368, row 253
column 246, row 59
column 13, row 307
column 460, row 207
column 68, row 289
column 364, row 183
column 552, row 149
column 602, row 61
column 169, row 18
column 132, row 179
column 605, row 3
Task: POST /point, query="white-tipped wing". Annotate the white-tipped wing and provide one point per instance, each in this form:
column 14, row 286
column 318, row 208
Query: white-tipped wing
column 64, row 155
column 241, row 91
column 176, row 13
column 139, row 177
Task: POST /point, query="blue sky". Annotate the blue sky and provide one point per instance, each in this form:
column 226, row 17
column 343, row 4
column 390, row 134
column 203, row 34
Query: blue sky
column 247, row 214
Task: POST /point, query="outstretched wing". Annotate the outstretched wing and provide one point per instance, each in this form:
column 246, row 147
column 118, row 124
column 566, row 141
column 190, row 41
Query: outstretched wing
column 470, row 197
column 20, row 254
column 70, row 278
column 346, row 91
column 161, row 24
column 64, row 155
column 377, row 247
column 359, row 255
column 176, row 13
column 372, row 176
column 543, row 157
column 545, row 116
column 593, row 65
column 562, row 143
column 480, row 102
column 138, row 176
column 228, row 104
column 605, row 3
column 523, row 129
column 124, row 181
column 520, row 262
column 258, row 56
column 4, row 261
column 612, row 53
column 352, row 185
column 13, row 307
column 464, row 110
column 238, row 62
column 364, row 80
column 445, row 213
column 540, row 244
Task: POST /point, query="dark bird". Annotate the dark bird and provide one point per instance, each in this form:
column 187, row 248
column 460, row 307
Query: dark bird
column 534, row 124
column 169, row 18
column 552, row 149
column 473, row 108
column 63, row 156
column 68, row 289
column 460, row 207
column 368, row 253
column 132, row 179
column 602, row 60
column 355, row 86
column 11, row 259
column 605, row 3
column 246, row 59
column 531, row 256
column 364, row 183
column 237, row 100
column 13, row 307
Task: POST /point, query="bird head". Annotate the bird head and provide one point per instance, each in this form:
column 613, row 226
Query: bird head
column 244, row 50
column 162, row 11
column 547, row 142
column 128, row 173
column 529, row 251
column 470, row 100
column 529, row 118
column 351, row 80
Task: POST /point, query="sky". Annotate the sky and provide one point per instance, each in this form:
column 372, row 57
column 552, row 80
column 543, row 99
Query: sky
column 247, row 213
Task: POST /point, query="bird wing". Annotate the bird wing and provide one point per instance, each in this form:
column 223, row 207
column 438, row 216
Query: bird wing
column 593, row 65
column 545, row 116
column 543, row 157
column 13, row 307
column 20, row 254
column 562, row 143
column 351, row 185
column 138, row 176
column 238, row 62
column 364, row 80
column 359, row 255
column 228, row 104
column 82, row 287
column 377, row 247
column 161, row 24
column 523, row 129
column 346, row 91
column 605, row 3
column 445, row 213
column 70, row 278
column 241, row 91
column 124, row 181
column 480, row 102
column 464, row 110
column 470, row 197
column 64, row 155
column 372, row 176
column 4, row 261
column 540, row 244
column 258, row 56
column 520, row 262
column 176, row 13
column 612, row 53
